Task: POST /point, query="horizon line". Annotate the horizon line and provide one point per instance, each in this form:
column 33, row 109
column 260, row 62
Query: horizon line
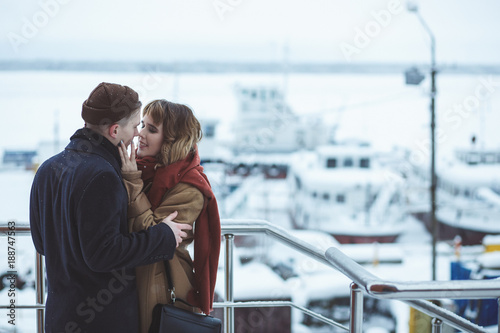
column 211, row 66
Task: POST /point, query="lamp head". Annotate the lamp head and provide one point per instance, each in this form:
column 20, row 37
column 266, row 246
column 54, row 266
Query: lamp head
column 412, row 6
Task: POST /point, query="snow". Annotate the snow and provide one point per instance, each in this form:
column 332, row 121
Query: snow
column 489, row 260
column 376, row 330
column 488, row 195
column 375, row 108
column 24, row 266
column 257, row 281
column 254, row 281
column 348, row 226
column 345, row 151
column 481, row 219
column 326, row 285
column 491, row 240
column 380, row 109
column 467, row 176
column 323, row 180
column 374, row 253
column 14, row 196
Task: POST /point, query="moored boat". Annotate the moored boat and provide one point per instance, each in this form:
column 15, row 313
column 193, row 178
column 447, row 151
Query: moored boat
column 468, row 196
column 341, row 190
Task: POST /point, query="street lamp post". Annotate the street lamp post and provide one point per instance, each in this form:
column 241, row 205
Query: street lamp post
column 413, row 8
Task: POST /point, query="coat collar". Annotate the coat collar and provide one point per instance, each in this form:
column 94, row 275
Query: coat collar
column 87, row 141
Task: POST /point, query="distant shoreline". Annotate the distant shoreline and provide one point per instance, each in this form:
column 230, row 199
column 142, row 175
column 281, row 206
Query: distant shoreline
column 237, row 67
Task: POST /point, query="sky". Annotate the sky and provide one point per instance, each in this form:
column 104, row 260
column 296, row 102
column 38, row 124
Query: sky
column 350, row 31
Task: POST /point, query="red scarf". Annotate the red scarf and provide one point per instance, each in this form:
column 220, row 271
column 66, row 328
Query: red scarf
column 207, row 237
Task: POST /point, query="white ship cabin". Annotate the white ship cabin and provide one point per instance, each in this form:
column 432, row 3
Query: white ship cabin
column 345, row 157
column 266, row 124
column 210, row 148
column 474, row 156
column 341, row 184
column 475, row 174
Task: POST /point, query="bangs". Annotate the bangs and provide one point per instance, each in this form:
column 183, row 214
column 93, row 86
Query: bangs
column 155, row 110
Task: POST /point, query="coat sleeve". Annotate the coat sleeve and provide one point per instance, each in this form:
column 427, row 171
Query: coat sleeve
column 36, row 233
column 103, row 244
column 138, row 202
column 183, row 198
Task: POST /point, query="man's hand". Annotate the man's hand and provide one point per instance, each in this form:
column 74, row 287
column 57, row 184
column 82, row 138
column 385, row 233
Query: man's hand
column 128, row 162
column 177, row 228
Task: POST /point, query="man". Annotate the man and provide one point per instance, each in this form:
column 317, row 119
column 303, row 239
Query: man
column 78, row 218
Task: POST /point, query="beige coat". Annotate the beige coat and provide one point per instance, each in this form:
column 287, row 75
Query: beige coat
column 152, row 283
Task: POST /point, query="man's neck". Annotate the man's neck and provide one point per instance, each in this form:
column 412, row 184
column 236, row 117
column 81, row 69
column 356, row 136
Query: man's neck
column 101, row 130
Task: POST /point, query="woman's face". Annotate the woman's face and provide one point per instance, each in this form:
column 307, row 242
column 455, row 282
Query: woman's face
column 150, row 138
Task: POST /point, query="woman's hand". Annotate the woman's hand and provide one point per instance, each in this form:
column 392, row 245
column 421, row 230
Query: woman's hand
column 128, row 162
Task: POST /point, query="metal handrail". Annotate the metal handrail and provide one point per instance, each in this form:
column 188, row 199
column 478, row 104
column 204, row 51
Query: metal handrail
column 231, row 227
column 374, row 286
column 411, row 293
column 249, row 226
column 251, row 304
column 23, row 229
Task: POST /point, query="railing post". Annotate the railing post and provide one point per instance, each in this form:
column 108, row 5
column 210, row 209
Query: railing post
column 498, row 302
column 40, row 293
column 437, row 325
column 228, row 267
column 356, row 322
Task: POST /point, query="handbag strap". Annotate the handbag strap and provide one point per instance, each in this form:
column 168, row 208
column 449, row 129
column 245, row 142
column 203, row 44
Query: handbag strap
column 169, row 280
column 171, row 285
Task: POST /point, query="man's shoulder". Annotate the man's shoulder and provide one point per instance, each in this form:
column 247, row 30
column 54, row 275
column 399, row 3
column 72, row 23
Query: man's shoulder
column 73, row 159
column 51, row 164
column 76, row 167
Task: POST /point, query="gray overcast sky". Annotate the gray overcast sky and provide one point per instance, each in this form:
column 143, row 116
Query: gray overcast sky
column 467, row 31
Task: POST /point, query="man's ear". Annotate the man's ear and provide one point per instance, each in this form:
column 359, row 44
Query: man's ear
column 113, row 130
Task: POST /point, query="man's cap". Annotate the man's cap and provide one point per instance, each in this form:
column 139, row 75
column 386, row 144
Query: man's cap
column 108, row 103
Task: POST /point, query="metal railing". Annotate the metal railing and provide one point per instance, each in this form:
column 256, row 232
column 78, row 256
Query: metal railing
column 39, row 306
column 230, row 228
column 412, row 293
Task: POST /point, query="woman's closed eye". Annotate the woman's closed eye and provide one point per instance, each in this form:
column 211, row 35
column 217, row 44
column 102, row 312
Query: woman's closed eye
column 151, row 128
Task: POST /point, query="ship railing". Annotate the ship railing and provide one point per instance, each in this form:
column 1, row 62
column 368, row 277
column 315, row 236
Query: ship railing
column 415, row 294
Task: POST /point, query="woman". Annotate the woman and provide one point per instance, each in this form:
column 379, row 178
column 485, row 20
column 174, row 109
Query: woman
column 166, row 177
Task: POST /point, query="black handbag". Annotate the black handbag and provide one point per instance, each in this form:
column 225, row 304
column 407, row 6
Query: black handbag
column 169, row 318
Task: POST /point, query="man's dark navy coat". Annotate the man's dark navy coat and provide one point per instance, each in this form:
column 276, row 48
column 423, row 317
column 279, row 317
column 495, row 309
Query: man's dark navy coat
column 78, row 218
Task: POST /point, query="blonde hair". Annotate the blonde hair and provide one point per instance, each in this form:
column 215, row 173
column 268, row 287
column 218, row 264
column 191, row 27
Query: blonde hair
column 181, row 129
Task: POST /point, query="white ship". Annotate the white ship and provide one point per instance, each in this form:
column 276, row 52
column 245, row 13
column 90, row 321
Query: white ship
column 266, row 131
column 468, row 195
column 341, row 190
